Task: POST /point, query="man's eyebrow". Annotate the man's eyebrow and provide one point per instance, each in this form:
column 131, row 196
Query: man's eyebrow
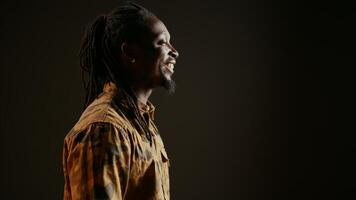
column 164, row 34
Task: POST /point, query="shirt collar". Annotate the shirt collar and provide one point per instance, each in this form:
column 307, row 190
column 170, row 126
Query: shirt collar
column 147, row 108
column 112, row 89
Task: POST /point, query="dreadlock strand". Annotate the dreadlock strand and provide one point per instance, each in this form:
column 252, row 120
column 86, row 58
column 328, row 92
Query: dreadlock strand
column 90, row 60
column 99, row 55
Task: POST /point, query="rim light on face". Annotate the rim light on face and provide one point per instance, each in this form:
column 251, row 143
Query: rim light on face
column 169, row 67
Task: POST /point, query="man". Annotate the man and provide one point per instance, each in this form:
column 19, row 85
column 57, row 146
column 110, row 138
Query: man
column 114, row 151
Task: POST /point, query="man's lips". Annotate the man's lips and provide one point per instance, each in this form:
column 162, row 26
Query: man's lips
column 170, row 66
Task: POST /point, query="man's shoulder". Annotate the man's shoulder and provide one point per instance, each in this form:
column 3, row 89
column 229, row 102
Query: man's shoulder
column 100, row 111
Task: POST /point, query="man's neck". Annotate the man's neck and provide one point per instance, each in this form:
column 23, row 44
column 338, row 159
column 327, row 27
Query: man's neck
column 142, row 94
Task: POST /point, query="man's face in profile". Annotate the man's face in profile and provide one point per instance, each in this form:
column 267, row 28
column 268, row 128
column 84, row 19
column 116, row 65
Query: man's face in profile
column 155, row 56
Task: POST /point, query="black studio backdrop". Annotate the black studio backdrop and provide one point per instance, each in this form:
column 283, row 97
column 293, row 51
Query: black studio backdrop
column 262, row 108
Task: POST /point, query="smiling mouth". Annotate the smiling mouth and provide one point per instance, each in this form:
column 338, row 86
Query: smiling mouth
column 169, row 67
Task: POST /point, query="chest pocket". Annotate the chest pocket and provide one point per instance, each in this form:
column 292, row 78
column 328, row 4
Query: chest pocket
column 164, row 166
column 164, row 156
column 160, row 148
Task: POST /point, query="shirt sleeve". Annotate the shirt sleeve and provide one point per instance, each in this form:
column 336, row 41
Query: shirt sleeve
column 96, row 163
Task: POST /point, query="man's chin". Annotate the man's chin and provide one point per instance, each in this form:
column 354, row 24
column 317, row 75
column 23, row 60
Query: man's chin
column 169, row 85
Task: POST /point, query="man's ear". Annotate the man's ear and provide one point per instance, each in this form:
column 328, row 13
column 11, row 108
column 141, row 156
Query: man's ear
column 127, row 52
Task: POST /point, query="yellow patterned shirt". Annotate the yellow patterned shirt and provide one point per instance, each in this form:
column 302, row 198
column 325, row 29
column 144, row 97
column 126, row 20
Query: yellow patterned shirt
column 107, row 155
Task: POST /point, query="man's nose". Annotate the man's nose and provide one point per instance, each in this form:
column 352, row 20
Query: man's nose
column 174, row 53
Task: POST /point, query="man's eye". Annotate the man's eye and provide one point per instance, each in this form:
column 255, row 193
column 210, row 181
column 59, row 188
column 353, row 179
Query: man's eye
column 161, row 42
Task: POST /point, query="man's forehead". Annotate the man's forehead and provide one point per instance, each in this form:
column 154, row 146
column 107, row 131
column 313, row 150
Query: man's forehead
column 157, row 27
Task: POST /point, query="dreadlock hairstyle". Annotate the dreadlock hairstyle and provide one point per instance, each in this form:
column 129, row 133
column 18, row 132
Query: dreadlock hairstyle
column 101, row 46
column 100, row 50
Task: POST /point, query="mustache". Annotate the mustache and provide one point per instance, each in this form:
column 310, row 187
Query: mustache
column 171, row 60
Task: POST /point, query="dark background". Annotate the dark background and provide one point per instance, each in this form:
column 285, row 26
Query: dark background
column 262, row 108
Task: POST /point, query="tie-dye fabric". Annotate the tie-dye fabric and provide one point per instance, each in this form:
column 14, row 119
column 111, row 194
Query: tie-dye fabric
column 106, row 156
